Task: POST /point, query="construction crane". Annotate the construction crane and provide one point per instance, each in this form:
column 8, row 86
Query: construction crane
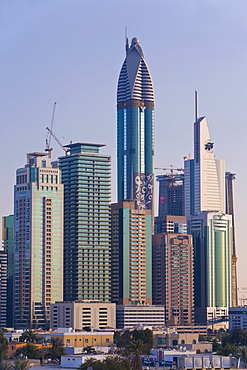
column 48, row 139
column 57, row 140
column 170, row 169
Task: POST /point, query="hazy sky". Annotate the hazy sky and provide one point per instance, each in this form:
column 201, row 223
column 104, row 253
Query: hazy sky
column 71, row 52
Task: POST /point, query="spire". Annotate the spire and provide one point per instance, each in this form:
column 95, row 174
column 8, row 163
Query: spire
column 196, row 106
column 126, row 41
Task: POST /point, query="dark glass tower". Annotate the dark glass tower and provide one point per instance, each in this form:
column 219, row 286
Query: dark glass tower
column 135, row 129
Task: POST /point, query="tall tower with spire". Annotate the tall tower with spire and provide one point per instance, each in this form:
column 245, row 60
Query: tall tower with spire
column 131, row 217
column 135, row 129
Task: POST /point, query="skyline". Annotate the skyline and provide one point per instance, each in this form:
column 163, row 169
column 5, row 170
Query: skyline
column 72, row 54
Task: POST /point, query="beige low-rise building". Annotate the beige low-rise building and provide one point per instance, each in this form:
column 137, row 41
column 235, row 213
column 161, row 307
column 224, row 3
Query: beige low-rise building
column 85, row 339
column 80, row 314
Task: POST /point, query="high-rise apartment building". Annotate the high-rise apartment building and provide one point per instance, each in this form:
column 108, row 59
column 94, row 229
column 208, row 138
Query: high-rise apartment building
column 230, row 210
column 135, row 129
column 173, row 273
column 131, row 254
column 86, row 179
column 8, row 245
column 38, row 248
column 3, row 288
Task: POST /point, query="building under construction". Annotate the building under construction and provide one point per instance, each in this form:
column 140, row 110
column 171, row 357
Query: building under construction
column 171, row 197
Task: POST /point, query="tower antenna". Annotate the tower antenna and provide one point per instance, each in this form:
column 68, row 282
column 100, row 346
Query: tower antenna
column 196, row 106
column 126, row 40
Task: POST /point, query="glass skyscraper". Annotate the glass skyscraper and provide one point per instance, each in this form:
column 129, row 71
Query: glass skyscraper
column 86, row 180
column 38, row 248
column 131, row 253
column 135, row 129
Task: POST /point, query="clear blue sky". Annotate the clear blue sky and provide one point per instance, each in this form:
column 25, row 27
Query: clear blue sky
column 71, row 52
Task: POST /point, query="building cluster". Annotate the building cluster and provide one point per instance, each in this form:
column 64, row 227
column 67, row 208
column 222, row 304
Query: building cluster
column 72, row 259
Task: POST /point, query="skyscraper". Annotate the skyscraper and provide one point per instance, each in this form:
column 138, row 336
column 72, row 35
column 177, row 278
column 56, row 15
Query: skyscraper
column 135, row 129
column 131, row 254
column 210, row 226
column 38, row 249
column 230, row 210
column 204, row 175
column 8, row 245
column 173, row 275
column 132, row 215
column 86, row 180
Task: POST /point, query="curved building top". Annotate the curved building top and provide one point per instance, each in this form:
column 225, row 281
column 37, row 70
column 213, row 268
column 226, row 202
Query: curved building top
column 135, row 80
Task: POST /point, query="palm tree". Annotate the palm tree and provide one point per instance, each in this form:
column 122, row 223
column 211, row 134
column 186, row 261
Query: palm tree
column 243, row 355
column 21, row 365
column 3, row 346
column 28, row 336
column 57, row 349
column 136, row 349
column 5, row 366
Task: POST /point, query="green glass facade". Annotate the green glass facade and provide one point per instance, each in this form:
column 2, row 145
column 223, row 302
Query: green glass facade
column 86, row 179
column 212, row 239
column 8, row 245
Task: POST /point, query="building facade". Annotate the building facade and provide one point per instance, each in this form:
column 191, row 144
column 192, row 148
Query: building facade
column 212, row 239
column 131, row 254
column 210, row 226
column 38, row 248
column 87, row 191
column 135, row 129
column 230, row 177
column 8, row 245
column 129, row 316
column 171, row 194
column 3, row 288
column 204, row 176
column 78, row 315
column 173, row 283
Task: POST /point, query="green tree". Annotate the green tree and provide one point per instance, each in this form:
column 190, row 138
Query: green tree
column 57, row 350
column 238, row 337
column 227, row 349
column 29, row 351
column 21, row 365
column 243, row 355
column 29, row 336
column 5, row 365
column 109, row 363
column 135, row 349
column 3, row 346
column 86, row 328
column 89, row 349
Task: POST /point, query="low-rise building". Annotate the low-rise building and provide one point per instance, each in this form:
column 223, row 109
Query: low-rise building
column 84, row 339
column 80, row 314
column 128, row 316
column 238, row 318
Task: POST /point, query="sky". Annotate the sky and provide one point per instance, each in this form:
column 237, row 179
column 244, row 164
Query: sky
column 71, row 52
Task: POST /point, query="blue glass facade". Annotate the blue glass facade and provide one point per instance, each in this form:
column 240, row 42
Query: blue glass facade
column 135, row 130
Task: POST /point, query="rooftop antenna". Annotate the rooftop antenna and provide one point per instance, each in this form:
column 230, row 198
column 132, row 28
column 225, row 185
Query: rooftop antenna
column 196, row 106
column 126, row 41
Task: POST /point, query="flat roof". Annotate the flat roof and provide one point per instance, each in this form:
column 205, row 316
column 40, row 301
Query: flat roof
column 76, row 144
column 37, row 154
